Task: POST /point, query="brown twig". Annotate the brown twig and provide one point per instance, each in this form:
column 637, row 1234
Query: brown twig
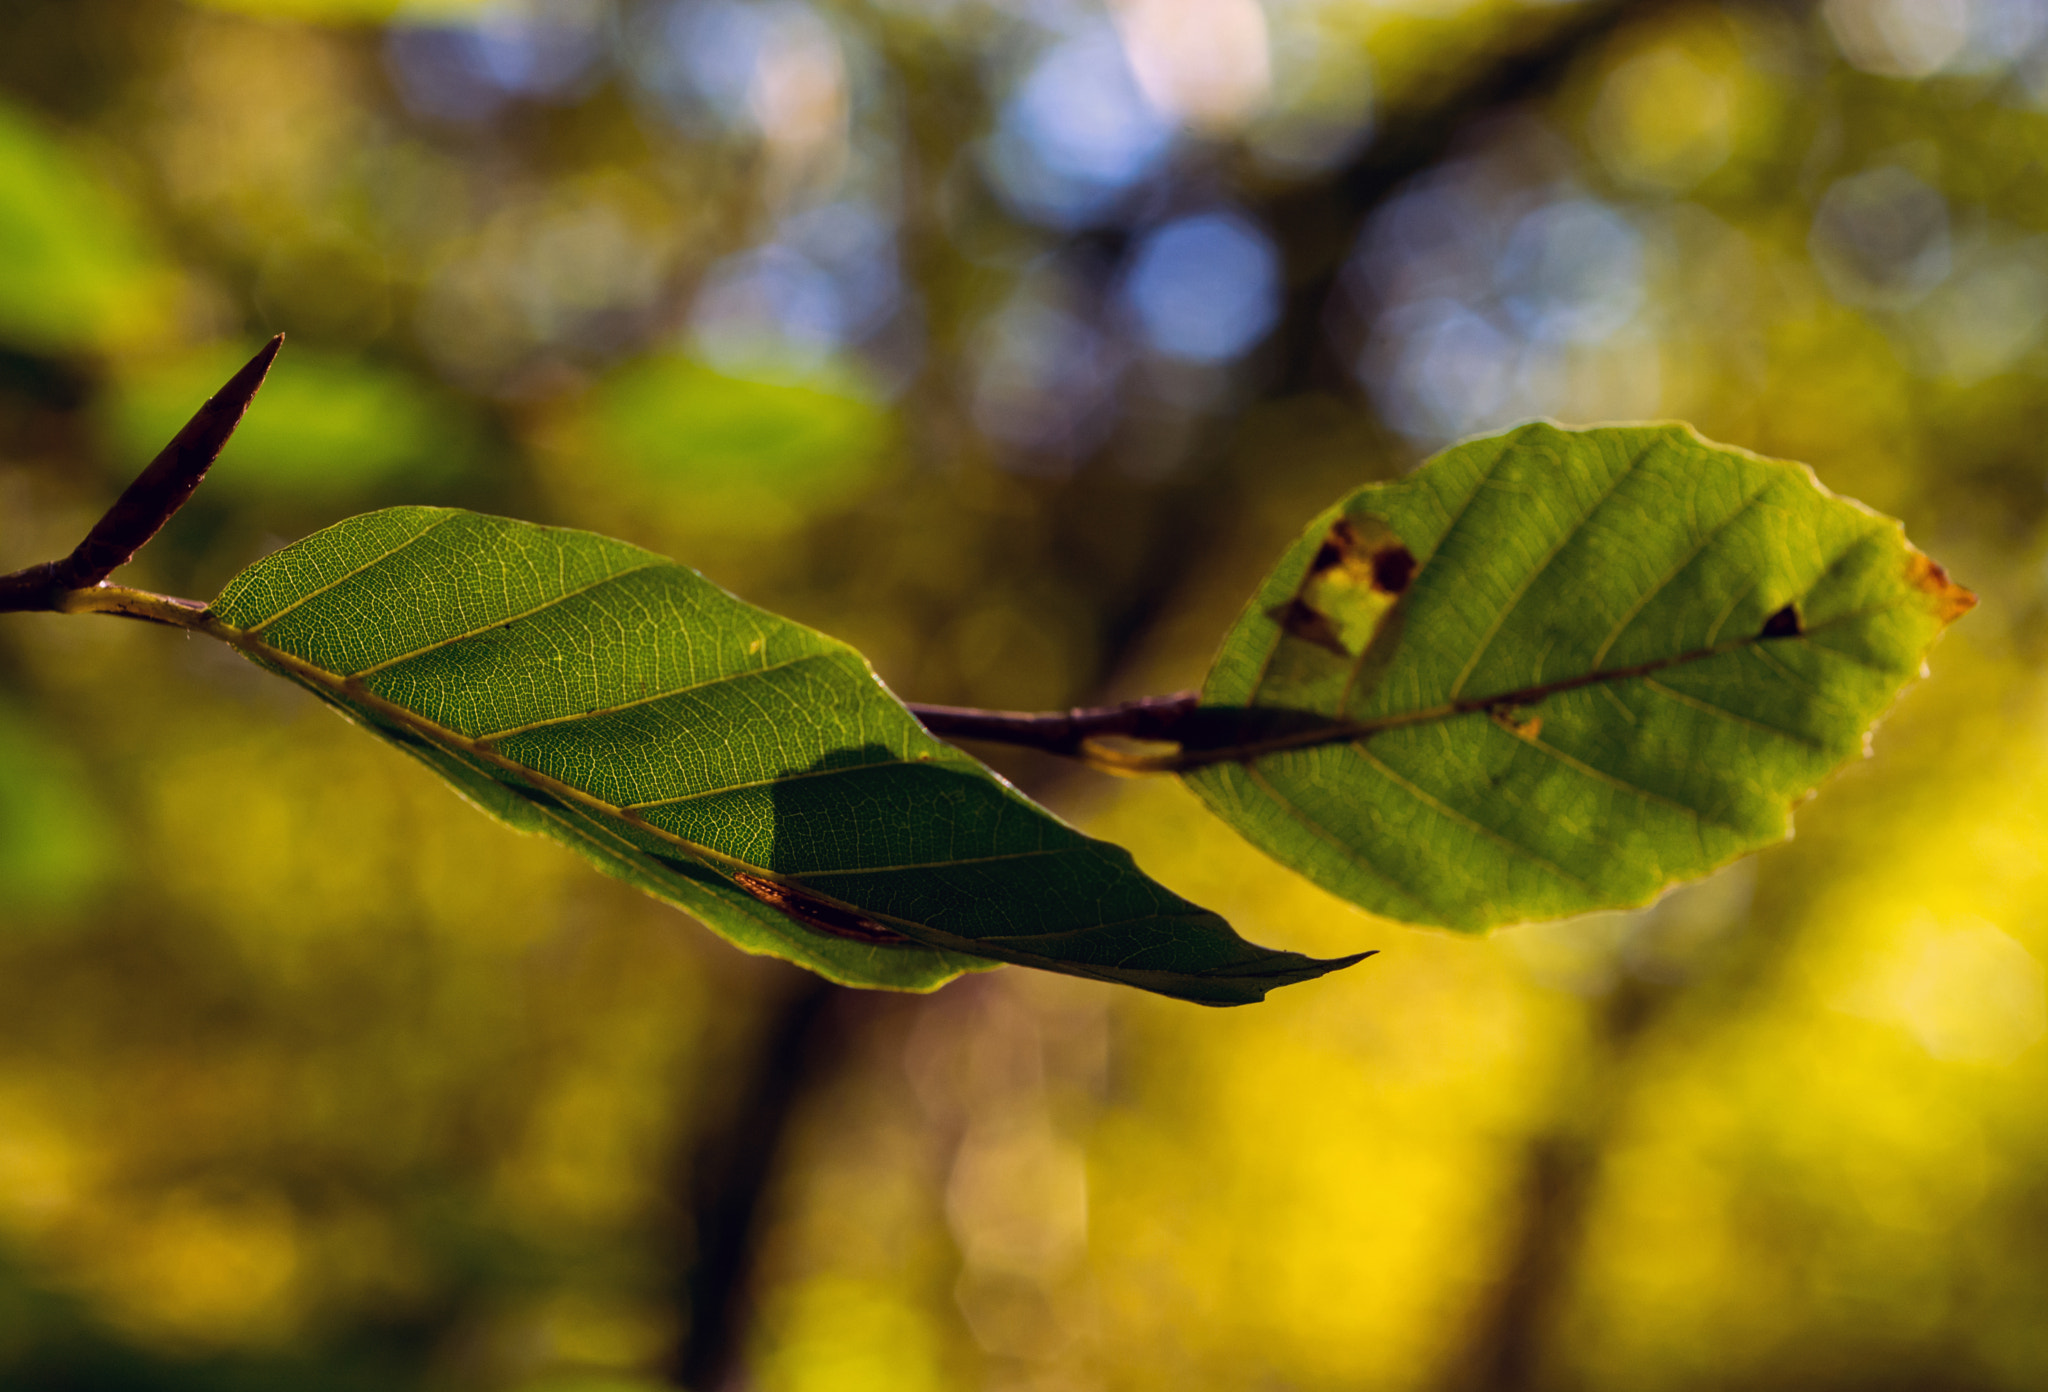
column 1234, row 734
column 146, row 504
column 1064, row 732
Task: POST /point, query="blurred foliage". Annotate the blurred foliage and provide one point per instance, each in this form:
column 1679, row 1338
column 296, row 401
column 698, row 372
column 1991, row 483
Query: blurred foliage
column 326, row 428
column 78, row 275
column 58, row 844
column 669, row 441
column 1009, row 341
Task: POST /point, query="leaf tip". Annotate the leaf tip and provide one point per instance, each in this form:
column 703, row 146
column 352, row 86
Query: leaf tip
column 1313, row 968
column 1250, row 982
column 1949, row 600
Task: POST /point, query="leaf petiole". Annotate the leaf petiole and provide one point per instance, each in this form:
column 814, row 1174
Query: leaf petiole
column 126, row 603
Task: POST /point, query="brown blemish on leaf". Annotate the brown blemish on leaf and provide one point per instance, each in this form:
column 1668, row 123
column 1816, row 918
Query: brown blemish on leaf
column 814, row 912
column 1298, row 617
column 1783, row 624
column 1337, row 548
column 1356, row 573
column 1951, row 601
column 1517, row 721
column 1392, row 568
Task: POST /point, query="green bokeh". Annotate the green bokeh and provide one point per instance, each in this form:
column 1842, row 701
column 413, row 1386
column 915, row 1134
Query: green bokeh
column 324, row 429
column 75, row 274
column 57, row 844
column 731, row 454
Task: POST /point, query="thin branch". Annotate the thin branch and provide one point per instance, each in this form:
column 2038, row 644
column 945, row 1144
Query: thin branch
column 124, row 603
column 1065, row 732
column 145, row 505
column 1102, row 737
column 1234, row 734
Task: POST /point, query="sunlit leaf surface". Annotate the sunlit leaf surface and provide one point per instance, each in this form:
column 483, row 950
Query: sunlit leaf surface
column 1565, row 670
column 728, row 761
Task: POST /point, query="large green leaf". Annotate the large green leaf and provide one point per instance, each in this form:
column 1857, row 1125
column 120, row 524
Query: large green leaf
column 733, row 763
column 1556, row 671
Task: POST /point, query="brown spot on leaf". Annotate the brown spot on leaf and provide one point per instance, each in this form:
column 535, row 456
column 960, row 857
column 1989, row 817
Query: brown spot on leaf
column 1783, row 624
column 1357, row 572
column 813, row 912
column 1298, row 617
column 1951, row 601
column 1517, row 721
column 1337, row 548
column 1392, row 568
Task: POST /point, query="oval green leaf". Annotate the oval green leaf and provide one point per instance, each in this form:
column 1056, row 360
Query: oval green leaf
column 1557, row 671
column 739, row 766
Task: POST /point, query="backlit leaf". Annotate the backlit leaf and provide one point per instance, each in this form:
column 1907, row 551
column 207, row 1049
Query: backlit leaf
column 1557, row 671
column 733, row 763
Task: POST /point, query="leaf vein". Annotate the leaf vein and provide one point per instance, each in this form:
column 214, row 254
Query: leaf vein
column 338, row 582
column 774, row 782
column 1650, row 595
column 1344, row 852
column 1708, row 707
column 1506, row 611
column 498, row 623
column 575, row 716
column 1596, row 772
column 1444, row 809
column 931, row 864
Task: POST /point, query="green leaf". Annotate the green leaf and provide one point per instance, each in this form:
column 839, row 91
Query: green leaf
column 1557, row 671
column 730, row 762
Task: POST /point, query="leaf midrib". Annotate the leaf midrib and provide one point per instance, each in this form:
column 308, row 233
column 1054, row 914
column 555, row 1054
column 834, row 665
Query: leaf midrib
column 551, row 602
column 1345, row 731
column 778, row 923
column 348, row 691
column 338, row 581
column 1536, row 572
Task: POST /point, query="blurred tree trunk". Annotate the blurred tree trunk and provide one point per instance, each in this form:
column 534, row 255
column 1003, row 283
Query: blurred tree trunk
column 1551, row 1200
column 726, row 1170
